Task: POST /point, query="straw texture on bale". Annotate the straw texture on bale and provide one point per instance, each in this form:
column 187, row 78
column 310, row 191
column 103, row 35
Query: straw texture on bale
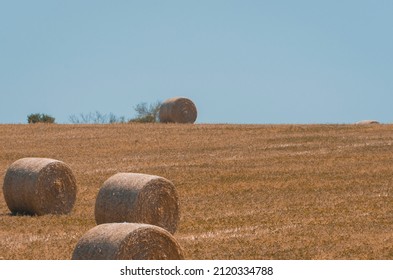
column 368, row 122
column 127, row 241
column 178, row 110
column 138, row 198
column 39, row 186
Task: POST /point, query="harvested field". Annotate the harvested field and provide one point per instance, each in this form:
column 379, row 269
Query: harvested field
column 245, row 191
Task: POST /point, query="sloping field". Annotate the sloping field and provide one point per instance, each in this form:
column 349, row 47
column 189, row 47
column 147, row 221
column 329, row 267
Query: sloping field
column 246, row 191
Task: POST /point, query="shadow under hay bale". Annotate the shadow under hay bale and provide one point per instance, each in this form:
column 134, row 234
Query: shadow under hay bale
column 127, row 241
column 178, row 110
column 39, row 186
column 138, row 198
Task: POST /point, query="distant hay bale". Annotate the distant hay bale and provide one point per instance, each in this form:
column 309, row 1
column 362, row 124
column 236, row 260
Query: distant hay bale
column 127, row 241
column 39, row 186
column 368, row 122
column 178, row 110
column 138, row 198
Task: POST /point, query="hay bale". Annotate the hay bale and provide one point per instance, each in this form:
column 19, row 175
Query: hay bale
column 368, row 122
column 39, row 186
column 138, row 198
column 178, row 110
column 127, row 241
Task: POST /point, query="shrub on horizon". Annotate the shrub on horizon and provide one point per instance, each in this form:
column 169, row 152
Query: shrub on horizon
column 40, row 118
column 147, row 113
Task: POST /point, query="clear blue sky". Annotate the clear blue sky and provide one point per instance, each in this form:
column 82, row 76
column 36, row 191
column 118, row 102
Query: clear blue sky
column 240, row 61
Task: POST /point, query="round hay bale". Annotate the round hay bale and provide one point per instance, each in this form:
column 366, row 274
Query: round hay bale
column 368, row 122
column 39, row 186
column 127, row 241
column 138, row 198
column 178, row 110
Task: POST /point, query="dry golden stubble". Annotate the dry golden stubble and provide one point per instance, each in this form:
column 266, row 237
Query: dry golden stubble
column 246, row 191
